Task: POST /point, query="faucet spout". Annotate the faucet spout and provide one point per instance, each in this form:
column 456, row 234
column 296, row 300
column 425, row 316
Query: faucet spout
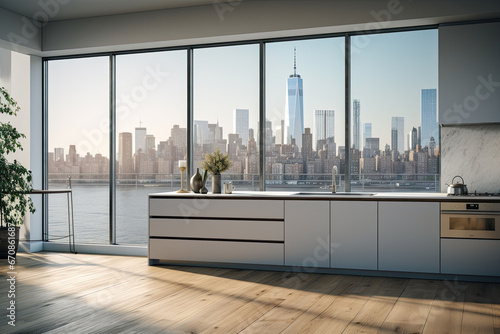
column 334, row 184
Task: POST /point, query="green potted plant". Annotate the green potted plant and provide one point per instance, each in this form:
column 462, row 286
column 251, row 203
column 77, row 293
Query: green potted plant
column 216, row 163
column 15, row 181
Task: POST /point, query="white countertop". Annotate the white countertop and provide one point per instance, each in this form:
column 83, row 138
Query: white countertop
column 293, row 195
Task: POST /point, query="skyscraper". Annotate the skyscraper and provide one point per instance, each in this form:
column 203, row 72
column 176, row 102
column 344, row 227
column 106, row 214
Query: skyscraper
column 324, row 125
column 428, row 116
column 59, row 154
column 150, row 144
column 201, row 133
column 356, row 110
column 140, row 139
column 307, row 148
column 413, row 139
column 398, row 123
column 294, row 107
column 367, row 133
column 125, row 161
column 241, row 124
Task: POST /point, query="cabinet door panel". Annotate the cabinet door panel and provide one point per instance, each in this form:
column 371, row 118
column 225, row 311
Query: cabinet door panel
column 354, row 235
column 307, row 231
column 470, row 257
column 469, row 69
column 409, row 236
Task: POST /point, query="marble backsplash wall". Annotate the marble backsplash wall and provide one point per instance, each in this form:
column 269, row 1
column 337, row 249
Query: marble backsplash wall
column 473, row 152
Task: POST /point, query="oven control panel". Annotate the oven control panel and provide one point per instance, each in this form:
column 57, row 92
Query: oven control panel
column 470, row 207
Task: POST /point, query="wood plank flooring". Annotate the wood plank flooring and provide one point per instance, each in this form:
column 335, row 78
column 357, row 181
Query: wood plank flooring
column 67, row 293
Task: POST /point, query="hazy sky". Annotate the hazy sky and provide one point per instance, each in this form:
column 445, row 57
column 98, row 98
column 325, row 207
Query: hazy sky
column 388, row 72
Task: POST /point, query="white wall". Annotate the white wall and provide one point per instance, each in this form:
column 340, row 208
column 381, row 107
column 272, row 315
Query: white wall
column 19, row 33
column 24, row 84
column 249, row 20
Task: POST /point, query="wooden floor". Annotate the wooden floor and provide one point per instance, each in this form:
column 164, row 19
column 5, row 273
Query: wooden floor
column 66, row 293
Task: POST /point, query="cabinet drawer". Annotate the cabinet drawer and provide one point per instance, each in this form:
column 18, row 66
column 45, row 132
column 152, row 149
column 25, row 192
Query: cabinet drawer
column 216, row 208
column 216, row 229
column 470, row 257
column 216, row 251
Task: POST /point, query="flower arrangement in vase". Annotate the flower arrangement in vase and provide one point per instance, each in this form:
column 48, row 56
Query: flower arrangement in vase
column 216, row 163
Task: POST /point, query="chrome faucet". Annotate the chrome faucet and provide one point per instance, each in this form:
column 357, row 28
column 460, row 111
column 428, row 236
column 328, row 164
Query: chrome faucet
column 334, row 174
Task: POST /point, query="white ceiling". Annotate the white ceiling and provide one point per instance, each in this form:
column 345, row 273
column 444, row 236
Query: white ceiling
column 74, row 9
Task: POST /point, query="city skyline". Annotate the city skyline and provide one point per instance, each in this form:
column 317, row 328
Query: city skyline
column 321, row 66
column 288, row 159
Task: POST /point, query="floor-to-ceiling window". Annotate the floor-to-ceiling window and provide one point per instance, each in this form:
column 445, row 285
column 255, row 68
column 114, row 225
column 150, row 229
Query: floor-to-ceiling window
column 395, row 132
column 305, row 113
column 78, row 146
column 151, row 134
column 226, row 110
column 393, row 143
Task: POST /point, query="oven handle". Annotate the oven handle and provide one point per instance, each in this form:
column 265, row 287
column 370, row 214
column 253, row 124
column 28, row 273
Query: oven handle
column 471, row 212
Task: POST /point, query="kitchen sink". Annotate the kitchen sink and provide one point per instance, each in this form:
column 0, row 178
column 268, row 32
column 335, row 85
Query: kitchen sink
column 336, row 194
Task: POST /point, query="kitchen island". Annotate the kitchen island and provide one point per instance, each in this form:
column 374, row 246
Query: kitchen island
column 391, row 234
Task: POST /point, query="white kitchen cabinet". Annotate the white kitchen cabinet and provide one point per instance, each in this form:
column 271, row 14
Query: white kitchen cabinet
column 354, row 234
column 307, row 231
column 408, row 236
column 469, row 73
column 216, row 230
column 470, row 257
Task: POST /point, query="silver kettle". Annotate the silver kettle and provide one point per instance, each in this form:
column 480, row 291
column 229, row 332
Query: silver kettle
column 457, row 189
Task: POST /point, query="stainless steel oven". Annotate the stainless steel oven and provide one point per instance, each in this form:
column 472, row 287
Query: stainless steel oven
column 470, row 220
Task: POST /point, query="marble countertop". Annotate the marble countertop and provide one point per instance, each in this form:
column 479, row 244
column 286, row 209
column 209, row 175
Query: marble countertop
column 355, row 196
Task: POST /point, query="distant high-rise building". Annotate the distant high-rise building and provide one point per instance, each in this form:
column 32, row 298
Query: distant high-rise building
column 140, row 139
column 413, row 139
column 215, row 132
column 356, row 126
column 201, row 132
column 367, row 132
column 324, row 125
column 150, row 145
column 179, row 136
column 241, row 124
column 72, row 155
column 59, row 154
column 372, row 147
column 125, row 160
column 279, row 136
column 398, row 123
column 307, row 147
column 432, row 146
column 428, row 116
column 394, row 140
column 294, row 108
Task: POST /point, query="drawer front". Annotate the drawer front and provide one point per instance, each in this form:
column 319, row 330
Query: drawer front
column 216, row 208
column 217, row 229
column 470, row 257
column 216, row 251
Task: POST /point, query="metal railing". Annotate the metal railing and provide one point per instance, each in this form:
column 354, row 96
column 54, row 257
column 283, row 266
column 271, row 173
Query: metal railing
column 359, row 182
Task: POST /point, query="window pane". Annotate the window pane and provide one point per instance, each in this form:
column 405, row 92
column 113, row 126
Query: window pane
column 151, row 135
column 226, row 110
column 305, row 112
column 78, row 113
column 395, row 136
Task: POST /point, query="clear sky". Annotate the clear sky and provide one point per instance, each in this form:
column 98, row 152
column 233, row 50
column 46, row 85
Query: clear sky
column 388, row 72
